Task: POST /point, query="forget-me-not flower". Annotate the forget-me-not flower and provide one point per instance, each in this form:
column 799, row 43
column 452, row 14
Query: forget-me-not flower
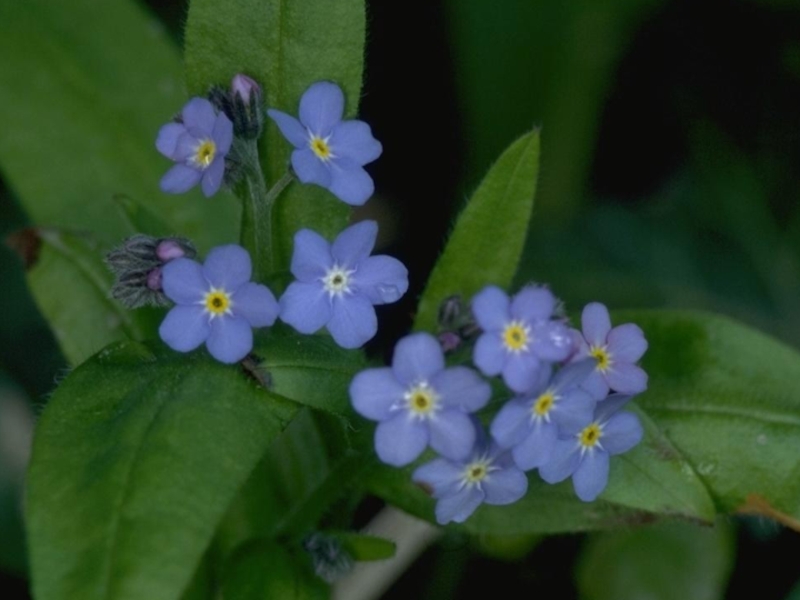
column 529, row 425
column 615, row 350
column 583, row 452
column 519, row 334
column 198, row 143
column 216, row 304
column 488, row 476
column 338, row 284
column 328, row 151
column 418, row 402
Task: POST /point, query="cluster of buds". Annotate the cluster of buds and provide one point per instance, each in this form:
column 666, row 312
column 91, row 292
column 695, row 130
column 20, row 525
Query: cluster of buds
column 243, row 104
column 456, row 324
column 137, row 265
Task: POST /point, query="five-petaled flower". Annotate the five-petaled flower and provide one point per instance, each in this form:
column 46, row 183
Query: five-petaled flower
column 198, row 142
column 338, row 284
column 583, row 451
column 328, row 151
column 519, row 334
column 615, row 350
column 216, row 304
column 488, row 476
column 418, row 402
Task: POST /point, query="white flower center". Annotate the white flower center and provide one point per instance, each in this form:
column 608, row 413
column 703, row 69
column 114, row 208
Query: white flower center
column 337, row 281
column 476, row 471
column 421, row 400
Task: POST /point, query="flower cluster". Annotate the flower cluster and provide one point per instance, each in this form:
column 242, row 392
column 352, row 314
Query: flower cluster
column 561, row 419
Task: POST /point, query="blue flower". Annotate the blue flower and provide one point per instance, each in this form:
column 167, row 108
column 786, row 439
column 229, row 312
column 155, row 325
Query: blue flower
column 583, row 452
column 330, row 152
column 338, row 284
column 199, row 143
column 418, row 402
column 615, row 350
column 460, row 486
column 216, row 304
column 519, row 335
column 530, row 424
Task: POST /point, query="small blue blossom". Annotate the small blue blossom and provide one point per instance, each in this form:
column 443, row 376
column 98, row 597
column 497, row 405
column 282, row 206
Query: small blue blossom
column 488, row 476
column 519, row 335
column 583, row 452
column 216, row 304
column 328, row 151
column 615, row 350
column 338, row 284
column 198, row 142
column 418, row 402
column 529, row 424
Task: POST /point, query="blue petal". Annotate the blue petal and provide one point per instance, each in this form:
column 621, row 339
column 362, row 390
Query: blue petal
column 212, row 177
column 452, row 434
column 489, row 355
column 574, row 374
column 230, row 340
column 610, row 405
column 374, row 393
column 180, row 179
column 222, row 134
column 184, row 328
column 256, row 304
column 310, row 169
column 596, row 323
column 400, row 440
column 167, row 139
column 552, row 341
column 564, row 459
column 626, row 343
column 321, row 107
column 511, row 424
column 459, row 506
column 622, row 432
column 491, row 308
column 382, row 279
column 417, row 357
column 350, row 182
column 228, row 267
column 521, row 371
column 591, row 477
column 353, row 139
column 574, row 411
column 626, row 379
column 186, row 148
column 312, row 256
column 461, row 387
column 505, row 486
column 532, row 303
column 290, row 127
column 442, row 476
column 596, row 385
column 183, row 282
column 199, row 113
column 353, row 322
column 306, row 307
column 536, row 449
column 354, row 244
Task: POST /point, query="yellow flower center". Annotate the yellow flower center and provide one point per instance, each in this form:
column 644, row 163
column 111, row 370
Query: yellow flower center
column 204, row 154
column 320, row 147
column 590, row 435
column 217, row 302
column 600, row 353
column 544, row 403
column 421, row 399
column 516, row 336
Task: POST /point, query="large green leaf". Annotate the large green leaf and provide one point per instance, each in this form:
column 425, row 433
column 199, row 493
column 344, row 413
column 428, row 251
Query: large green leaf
column 71, row 285
column 487, row 242
column 135, row 461
column 668, row 561
column 84, row 87
column 286, row 46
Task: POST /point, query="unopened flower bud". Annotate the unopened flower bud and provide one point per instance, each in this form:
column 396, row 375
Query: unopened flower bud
column 331, row 561
column 449, row 341
column 172, row 248
column 154, row 279
column 247, row 110
column 244, row 87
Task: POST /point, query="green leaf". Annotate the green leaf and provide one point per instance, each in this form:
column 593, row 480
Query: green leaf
column 727, row 397
column 84, row 128
column 486, row 245
column 263, row 570
column 71, row 284
column 365, row 547
column 668, row 561
column 136, row 458
column 286, row 46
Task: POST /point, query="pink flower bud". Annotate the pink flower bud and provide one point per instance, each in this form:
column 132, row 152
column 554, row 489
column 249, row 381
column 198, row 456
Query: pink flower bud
column 168, row 250
column 154, row 279
column 244, row 86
